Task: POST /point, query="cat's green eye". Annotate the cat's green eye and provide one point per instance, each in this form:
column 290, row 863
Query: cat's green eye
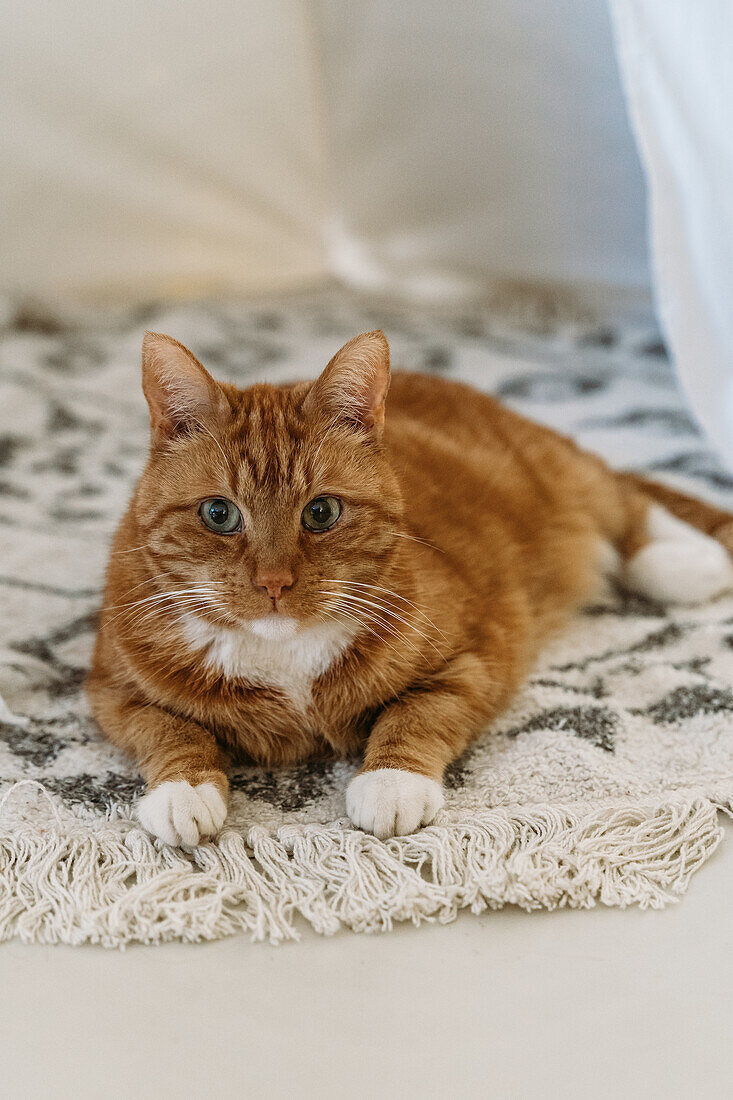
column 321, row 513
column 220, row 516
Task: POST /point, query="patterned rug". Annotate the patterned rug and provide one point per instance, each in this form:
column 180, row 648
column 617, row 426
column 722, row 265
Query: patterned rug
column 601, row 784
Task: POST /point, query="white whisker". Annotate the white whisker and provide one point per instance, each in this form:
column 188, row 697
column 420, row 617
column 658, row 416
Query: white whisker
column 414, row 538
column 193, row 610
column 409, row 623
column 380, row 619
column 152, row 580
column 364, row 625
column 158, row 600
column 161, row 596
column 389, row 592
column 132, row 551
column 190, row 603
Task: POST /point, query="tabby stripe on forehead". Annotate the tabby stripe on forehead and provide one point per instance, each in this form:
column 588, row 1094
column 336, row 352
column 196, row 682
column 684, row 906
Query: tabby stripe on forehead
column 268, row 468
column 277, row 466
column 292, row 456
column 247, row 470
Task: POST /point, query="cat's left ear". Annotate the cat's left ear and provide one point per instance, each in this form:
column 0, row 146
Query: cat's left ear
column 180, row 392
column 354, row 385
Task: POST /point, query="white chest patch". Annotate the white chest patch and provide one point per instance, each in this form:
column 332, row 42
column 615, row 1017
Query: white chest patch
column 272, row 652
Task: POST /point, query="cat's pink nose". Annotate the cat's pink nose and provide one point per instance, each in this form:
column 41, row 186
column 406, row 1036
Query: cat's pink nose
column 274, row 582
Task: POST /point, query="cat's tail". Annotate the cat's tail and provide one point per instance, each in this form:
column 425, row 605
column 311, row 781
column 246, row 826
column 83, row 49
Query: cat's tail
column 704, row 517
column 677, row 549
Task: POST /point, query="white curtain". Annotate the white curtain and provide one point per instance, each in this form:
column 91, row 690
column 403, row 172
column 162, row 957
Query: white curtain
column 676, row 57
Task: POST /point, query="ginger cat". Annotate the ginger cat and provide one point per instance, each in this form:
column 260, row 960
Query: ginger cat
column 298, row 575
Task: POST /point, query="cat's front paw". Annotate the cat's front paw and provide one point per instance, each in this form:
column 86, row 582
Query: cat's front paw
column 181, row 814
column 392, row 802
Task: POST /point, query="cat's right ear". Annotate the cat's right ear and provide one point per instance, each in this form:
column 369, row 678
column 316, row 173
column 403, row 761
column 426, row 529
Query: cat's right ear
column 180, row 392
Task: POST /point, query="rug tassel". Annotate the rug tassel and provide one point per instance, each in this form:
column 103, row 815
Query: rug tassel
column 66, row 879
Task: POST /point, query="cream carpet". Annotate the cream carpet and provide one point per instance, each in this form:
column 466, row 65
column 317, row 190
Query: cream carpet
column 601, row 784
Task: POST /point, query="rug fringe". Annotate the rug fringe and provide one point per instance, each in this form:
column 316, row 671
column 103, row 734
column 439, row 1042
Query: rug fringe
column 69, row 879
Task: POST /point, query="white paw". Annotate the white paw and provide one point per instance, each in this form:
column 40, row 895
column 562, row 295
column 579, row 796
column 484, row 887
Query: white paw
column 392, row 802
column 684, row 571
column 181, row 814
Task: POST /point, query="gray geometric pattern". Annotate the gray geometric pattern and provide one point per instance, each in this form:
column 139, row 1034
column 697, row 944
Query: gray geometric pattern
column 73, row 436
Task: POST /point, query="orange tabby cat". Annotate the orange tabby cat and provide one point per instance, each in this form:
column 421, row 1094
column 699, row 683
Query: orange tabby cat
column 297, row 576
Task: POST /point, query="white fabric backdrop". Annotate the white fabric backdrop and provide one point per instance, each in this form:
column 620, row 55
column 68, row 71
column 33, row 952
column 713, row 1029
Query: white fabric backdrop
column 172, row 147
column 677, row 60
column 154, row 146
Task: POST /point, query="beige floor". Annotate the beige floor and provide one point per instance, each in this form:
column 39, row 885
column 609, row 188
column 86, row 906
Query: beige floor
column 601, row 1004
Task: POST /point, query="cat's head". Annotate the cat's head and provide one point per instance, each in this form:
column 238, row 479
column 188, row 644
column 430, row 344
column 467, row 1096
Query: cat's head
column 258, row 507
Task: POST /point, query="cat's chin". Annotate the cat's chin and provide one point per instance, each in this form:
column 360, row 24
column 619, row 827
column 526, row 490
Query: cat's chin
column 273, row 627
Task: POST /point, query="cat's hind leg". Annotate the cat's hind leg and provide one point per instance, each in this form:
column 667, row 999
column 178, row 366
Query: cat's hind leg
column 676, row 562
